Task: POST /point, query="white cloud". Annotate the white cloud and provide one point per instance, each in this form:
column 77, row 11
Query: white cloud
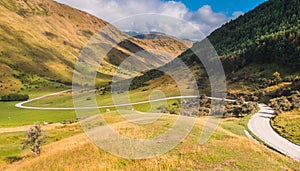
column 237, row 14
column 204, row 19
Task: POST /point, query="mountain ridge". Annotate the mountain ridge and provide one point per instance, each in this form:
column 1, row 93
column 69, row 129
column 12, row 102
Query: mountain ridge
column 250, row 52
column 42, row 39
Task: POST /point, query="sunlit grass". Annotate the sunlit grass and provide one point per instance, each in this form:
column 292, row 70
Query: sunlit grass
column 224, row 151
column 10, row 143
column 287, row 124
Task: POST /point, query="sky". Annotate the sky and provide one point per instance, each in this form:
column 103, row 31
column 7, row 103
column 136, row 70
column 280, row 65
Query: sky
column 225, row 6
column 203, row 15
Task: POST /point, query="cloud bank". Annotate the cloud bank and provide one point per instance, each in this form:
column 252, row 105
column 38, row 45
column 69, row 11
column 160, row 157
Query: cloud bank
column 204, row 19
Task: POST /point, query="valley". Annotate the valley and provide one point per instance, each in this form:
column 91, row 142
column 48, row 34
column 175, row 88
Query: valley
column 44, row 45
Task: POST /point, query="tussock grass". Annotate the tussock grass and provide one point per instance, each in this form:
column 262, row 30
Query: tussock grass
column 224, row 151
column 287, row 125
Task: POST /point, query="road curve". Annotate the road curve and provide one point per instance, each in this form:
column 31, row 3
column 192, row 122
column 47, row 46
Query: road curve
column 260, row 126
column 21, row 104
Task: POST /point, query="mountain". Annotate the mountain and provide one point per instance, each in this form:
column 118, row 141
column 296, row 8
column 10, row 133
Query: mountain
column 251, row 48
column 40, row 41
column 269, row 33
column 151, row 35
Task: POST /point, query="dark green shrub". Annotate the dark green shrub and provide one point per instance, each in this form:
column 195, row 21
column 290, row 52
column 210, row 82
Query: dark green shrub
column 14, row 97
column 11, row 159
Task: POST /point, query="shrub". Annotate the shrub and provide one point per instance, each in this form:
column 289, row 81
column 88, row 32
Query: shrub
column 14, row 97
column 239, row 108
column 276, row 78
column 204, row 111
column 295, row 99
column 285, row 103
column 280, row 104
column 34, row 139
column 11, row 159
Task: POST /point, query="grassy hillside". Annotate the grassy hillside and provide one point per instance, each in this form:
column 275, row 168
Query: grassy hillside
column 252, row 48
column 43, row 39
column 224, row 151
column 273, row 27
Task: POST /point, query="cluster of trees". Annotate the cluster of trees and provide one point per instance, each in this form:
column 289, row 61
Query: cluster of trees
column 278, row 92
column 14, row 97
column 281, row 48
column 171, row 109
column 202, row 107
column 269, row 33
column 270, row 17
column 274, row 80
column 239, row 108
column 285, row 103
column 187, row 107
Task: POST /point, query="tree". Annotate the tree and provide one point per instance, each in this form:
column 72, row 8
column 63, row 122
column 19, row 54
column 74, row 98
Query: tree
column 276, row 77
column 34, row 139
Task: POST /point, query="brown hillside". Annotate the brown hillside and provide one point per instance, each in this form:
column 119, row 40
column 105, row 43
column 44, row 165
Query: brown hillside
column 42, row 38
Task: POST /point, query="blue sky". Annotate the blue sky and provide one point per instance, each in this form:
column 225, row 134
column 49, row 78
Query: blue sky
column 205, row 15
column 225, row 6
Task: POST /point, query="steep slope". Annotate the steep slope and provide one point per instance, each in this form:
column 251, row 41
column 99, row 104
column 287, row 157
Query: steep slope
column 268, row 18
column 264, row 41
column 40, row 40
column 269, row 33
column 251, row 48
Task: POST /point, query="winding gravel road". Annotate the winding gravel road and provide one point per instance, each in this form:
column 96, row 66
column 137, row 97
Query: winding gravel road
column 21, row 104
column 260, row 126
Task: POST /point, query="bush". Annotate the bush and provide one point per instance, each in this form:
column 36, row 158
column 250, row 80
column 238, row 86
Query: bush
column 295, row 99
column 14, row 97
column 276, row 78
column 239, row 108
column 204, row 111
column 34, row 139
column 11, row 159
column 286, row 103
column 280, row 104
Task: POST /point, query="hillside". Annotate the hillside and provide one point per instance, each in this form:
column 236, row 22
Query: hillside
column 256, row 45
column 269, row 33
column 40, row 41
column 271, row 21
column 251, row 48
column 227, row 149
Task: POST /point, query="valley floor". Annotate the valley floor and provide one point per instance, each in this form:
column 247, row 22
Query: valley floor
column 68, row 147
column 228, row 149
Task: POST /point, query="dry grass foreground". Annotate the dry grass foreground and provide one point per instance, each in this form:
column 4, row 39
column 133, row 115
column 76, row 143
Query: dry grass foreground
column 224, row 151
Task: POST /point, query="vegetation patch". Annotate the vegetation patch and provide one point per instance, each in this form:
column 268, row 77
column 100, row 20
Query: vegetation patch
column 287, row 124
column 11, row 143
column 14, row 97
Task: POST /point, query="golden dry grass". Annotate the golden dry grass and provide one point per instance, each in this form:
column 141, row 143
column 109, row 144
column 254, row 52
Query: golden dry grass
column 45, row 38
column 277, row 87
column 287, row 124
column 224, row 151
